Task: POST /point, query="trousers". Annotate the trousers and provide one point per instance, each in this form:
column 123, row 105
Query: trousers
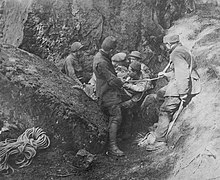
column 167, row 109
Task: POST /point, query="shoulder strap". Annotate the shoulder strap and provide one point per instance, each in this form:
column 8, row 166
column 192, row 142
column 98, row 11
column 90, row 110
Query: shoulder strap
column 191, row 62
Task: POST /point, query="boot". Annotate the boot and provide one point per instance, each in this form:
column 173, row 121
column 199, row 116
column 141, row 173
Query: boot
column 113, row 148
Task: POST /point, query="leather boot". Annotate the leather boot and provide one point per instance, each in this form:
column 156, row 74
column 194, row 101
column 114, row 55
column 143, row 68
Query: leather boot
column 113, row 148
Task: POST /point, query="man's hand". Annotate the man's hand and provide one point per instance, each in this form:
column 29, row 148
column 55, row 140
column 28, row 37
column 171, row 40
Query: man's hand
column 161, row 74
column 126, row 80
column 183, row 97
column 126, row 85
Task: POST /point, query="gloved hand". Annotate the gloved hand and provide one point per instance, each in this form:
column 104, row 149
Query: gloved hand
column 183, row 97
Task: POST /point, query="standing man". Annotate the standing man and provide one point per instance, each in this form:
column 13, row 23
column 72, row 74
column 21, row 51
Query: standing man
column 72, row 66
column 108, row 88
column 184, row 83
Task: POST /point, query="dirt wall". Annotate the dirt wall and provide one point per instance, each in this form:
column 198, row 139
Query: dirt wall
column 196, row 133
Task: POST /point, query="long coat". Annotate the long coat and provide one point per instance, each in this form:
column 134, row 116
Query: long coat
column 185, row 79
column 108, row 86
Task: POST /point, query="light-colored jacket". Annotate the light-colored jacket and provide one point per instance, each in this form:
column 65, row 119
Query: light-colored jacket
column 184, row 79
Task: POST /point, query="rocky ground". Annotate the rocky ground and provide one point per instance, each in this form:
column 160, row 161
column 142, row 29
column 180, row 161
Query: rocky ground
column 194, row 147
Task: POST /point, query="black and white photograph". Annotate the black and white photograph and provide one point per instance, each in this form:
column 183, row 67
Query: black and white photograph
column 109, row 89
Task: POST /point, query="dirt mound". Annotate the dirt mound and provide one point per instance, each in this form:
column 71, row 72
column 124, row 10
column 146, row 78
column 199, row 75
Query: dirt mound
column 196, row 134
column 34, row 93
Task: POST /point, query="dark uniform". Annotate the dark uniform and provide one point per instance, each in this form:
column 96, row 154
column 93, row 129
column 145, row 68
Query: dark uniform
column 108, row 88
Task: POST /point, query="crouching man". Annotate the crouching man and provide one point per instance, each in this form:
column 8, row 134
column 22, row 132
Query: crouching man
column 136, row 85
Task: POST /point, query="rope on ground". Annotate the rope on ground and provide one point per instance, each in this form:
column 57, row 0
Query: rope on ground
column 22, row 150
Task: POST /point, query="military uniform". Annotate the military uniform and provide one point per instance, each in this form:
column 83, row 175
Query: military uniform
column 108, row 88
column 184, row 80
column 145, row 71
column 122, row 72
column 107, row 84
column 137, row 89
column 72, row 65
column 136, row 56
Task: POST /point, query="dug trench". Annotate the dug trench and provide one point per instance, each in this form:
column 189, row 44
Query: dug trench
column 194, row 143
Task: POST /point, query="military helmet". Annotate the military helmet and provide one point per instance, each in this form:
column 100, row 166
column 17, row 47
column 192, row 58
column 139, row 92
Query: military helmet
column 109, row 43
column 76, row 46
column 171, row 39
column 135, row 65
column 135, row 54
column 119, row 57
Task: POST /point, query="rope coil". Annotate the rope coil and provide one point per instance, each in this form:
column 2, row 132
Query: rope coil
column 23, row 149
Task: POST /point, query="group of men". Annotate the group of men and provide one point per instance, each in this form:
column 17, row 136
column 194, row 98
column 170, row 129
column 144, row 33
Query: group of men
column 121, row 81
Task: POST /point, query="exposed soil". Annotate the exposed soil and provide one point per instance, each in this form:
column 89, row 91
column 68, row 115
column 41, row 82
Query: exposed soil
column 137, row 164
column 195, row 136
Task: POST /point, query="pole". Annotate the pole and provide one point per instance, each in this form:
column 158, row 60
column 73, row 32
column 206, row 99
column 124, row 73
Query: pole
column 175, row 116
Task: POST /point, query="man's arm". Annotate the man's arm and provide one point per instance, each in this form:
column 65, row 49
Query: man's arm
column 181, row 71
column 112, row 79
column 139, row 87
column 70, row 70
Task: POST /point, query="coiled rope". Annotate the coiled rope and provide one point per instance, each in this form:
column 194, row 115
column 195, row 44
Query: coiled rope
column 22, row 150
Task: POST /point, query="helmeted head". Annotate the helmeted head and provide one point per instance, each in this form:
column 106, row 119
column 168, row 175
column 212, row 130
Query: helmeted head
column 134, row 70
column 109, row 43
column 134, row 55
column 170, row 41
column 76, row 46
column 135, row 66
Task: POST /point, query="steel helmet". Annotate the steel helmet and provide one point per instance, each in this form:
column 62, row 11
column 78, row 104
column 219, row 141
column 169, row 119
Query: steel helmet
column 171, row 39
column 76, row 46
column 135, row 54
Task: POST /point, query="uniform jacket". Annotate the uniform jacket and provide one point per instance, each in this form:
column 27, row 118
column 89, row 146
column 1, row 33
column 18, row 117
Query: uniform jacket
column 184, row 79
column 72, row 67
column 122, row 72
column 107, row 84
column 137, row 89
column 145, row 71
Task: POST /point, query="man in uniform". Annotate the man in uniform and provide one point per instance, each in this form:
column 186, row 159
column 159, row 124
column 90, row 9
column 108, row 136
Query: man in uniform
column 183, row 85
column 134, row 84
column 108, row 89
column 72, row 66
column 136, row 56
column 120, row 63
column 137, row 90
